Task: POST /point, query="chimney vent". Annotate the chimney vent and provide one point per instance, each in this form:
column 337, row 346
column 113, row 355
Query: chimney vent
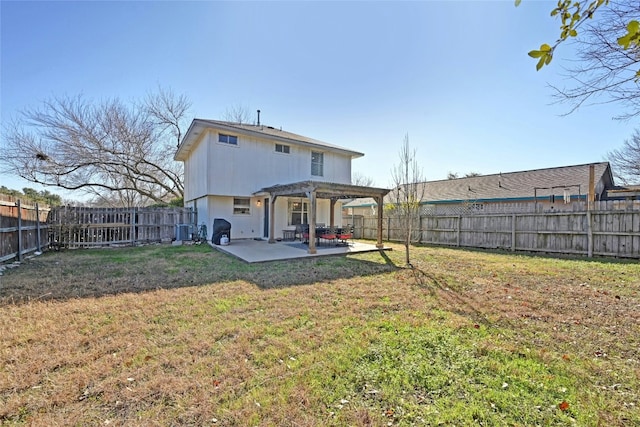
column 258, row 117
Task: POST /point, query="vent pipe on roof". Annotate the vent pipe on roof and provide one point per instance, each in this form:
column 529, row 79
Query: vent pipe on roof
column 258, row 117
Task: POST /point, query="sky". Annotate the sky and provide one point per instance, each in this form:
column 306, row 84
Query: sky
column 452, row 75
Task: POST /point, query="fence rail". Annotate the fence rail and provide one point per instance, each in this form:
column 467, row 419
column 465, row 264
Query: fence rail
column 609, row 229
column 82, row 227
column 23, row 228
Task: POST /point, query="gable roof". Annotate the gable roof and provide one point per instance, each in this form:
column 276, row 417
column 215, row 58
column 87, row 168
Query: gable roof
column 260, row 131
column 364, row 202
column 513, row 186
column 521, row 185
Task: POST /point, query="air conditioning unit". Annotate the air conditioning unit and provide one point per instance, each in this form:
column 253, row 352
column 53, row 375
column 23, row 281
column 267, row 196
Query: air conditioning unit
column 184, row 231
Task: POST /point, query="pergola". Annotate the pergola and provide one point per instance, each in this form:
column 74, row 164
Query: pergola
column 314, row 190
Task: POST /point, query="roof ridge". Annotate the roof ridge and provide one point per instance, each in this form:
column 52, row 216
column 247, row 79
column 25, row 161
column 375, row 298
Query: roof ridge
column 516, row 172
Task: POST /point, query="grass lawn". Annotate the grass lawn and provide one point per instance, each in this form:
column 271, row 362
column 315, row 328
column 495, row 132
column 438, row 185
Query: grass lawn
column 164, row 335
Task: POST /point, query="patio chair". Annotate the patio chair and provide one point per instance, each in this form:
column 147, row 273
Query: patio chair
column 345, row 234
column 302, row 231
column 328, row 234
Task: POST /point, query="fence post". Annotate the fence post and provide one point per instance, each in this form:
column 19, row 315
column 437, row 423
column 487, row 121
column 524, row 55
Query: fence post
column 19, row 206
column 389, row 229
column 38, row 243
column 513, row 232
column 68, row 229
column 132, row 233
column 458, row 230
column 194, row 218
column 589, row 234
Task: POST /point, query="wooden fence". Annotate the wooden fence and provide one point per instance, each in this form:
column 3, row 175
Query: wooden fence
column 81, row 227
column 23, row 228
column 609, row 229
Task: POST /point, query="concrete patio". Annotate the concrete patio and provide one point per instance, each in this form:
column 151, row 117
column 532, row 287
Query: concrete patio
column 251, row 250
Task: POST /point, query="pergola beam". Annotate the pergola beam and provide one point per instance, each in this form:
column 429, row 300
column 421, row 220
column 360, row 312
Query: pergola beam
column 314, row 190
column 324, row 190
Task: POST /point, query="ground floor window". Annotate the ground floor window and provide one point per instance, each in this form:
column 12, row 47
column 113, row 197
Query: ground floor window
column 241, row 206
column 298, row 212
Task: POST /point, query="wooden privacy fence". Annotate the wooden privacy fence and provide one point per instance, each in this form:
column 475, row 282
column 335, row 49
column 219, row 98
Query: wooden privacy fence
column 23, row 228
column 81, row 227
column 607, row 230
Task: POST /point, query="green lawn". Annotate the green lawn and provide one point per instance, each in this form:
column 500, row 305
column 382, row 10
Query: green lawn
column 163, row 335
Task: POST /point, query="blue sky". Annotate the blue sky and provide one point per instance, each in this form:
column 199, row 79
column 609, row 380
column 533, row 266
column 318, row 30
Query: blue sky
column 453, row 75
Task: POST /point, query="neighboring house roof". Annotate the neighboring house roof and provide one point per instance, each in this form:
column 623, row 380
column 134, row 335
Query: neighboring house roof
column 514, row 186
column 261, row 131
column 521, row 185
column 361, row 203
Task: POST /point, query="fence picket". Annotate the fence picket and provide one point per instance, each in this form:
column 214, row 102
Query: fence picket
column 612, row 228
column 25, row 228
column 77, row 227
column 22, row 228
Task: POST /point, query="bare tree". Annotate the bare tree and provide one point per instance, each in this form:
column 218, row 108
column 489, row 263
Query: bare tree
column 605, row 70
column 109, row 150
column 406, row 195
column 626, row 160
column 455, row 175
column 168, row 111
column 358, row 179
column 238, row 114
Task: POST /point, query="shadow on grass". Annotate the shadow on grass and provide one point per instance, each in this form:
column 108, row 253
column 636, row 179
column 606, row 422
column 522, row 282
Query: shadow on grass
column 535, row 255
column 388, row 260
column 455, row 301
column 88, row 273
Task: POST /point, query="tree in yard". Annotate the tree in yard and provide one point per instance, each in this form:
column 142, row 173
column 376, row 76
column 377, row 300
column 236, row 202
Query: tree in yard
column 361, row 180
column 119, row 154
column 44, row 196
column 607, row 38
column 10, row 191
column 455, row 175
column 406, row 195
column 626, row 160
column 238, row 114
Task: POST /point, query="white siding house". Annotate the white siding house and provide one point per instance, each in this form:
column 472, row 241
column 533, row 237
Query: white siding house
column 227, row 164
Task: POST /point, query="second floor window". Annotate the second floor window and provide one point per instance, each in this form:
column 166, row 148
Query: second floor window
column 317, row 162
column 281, row 148
column 228, row 139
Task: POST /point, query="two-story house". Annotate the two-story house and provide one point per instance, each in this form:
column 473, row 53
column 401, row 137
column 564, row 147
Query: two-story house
column 264, row 180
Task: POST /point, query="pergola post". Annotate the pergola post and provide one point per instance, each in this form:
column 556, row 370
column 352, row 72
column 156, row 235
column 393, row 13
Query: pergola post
column 332, row 207
column 312, row 222
column 272, row 215
column 379, row 245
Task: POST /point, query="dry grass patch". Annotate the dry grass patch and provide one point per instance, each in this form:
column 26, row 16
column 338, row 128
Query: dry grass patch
column 189, row 336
